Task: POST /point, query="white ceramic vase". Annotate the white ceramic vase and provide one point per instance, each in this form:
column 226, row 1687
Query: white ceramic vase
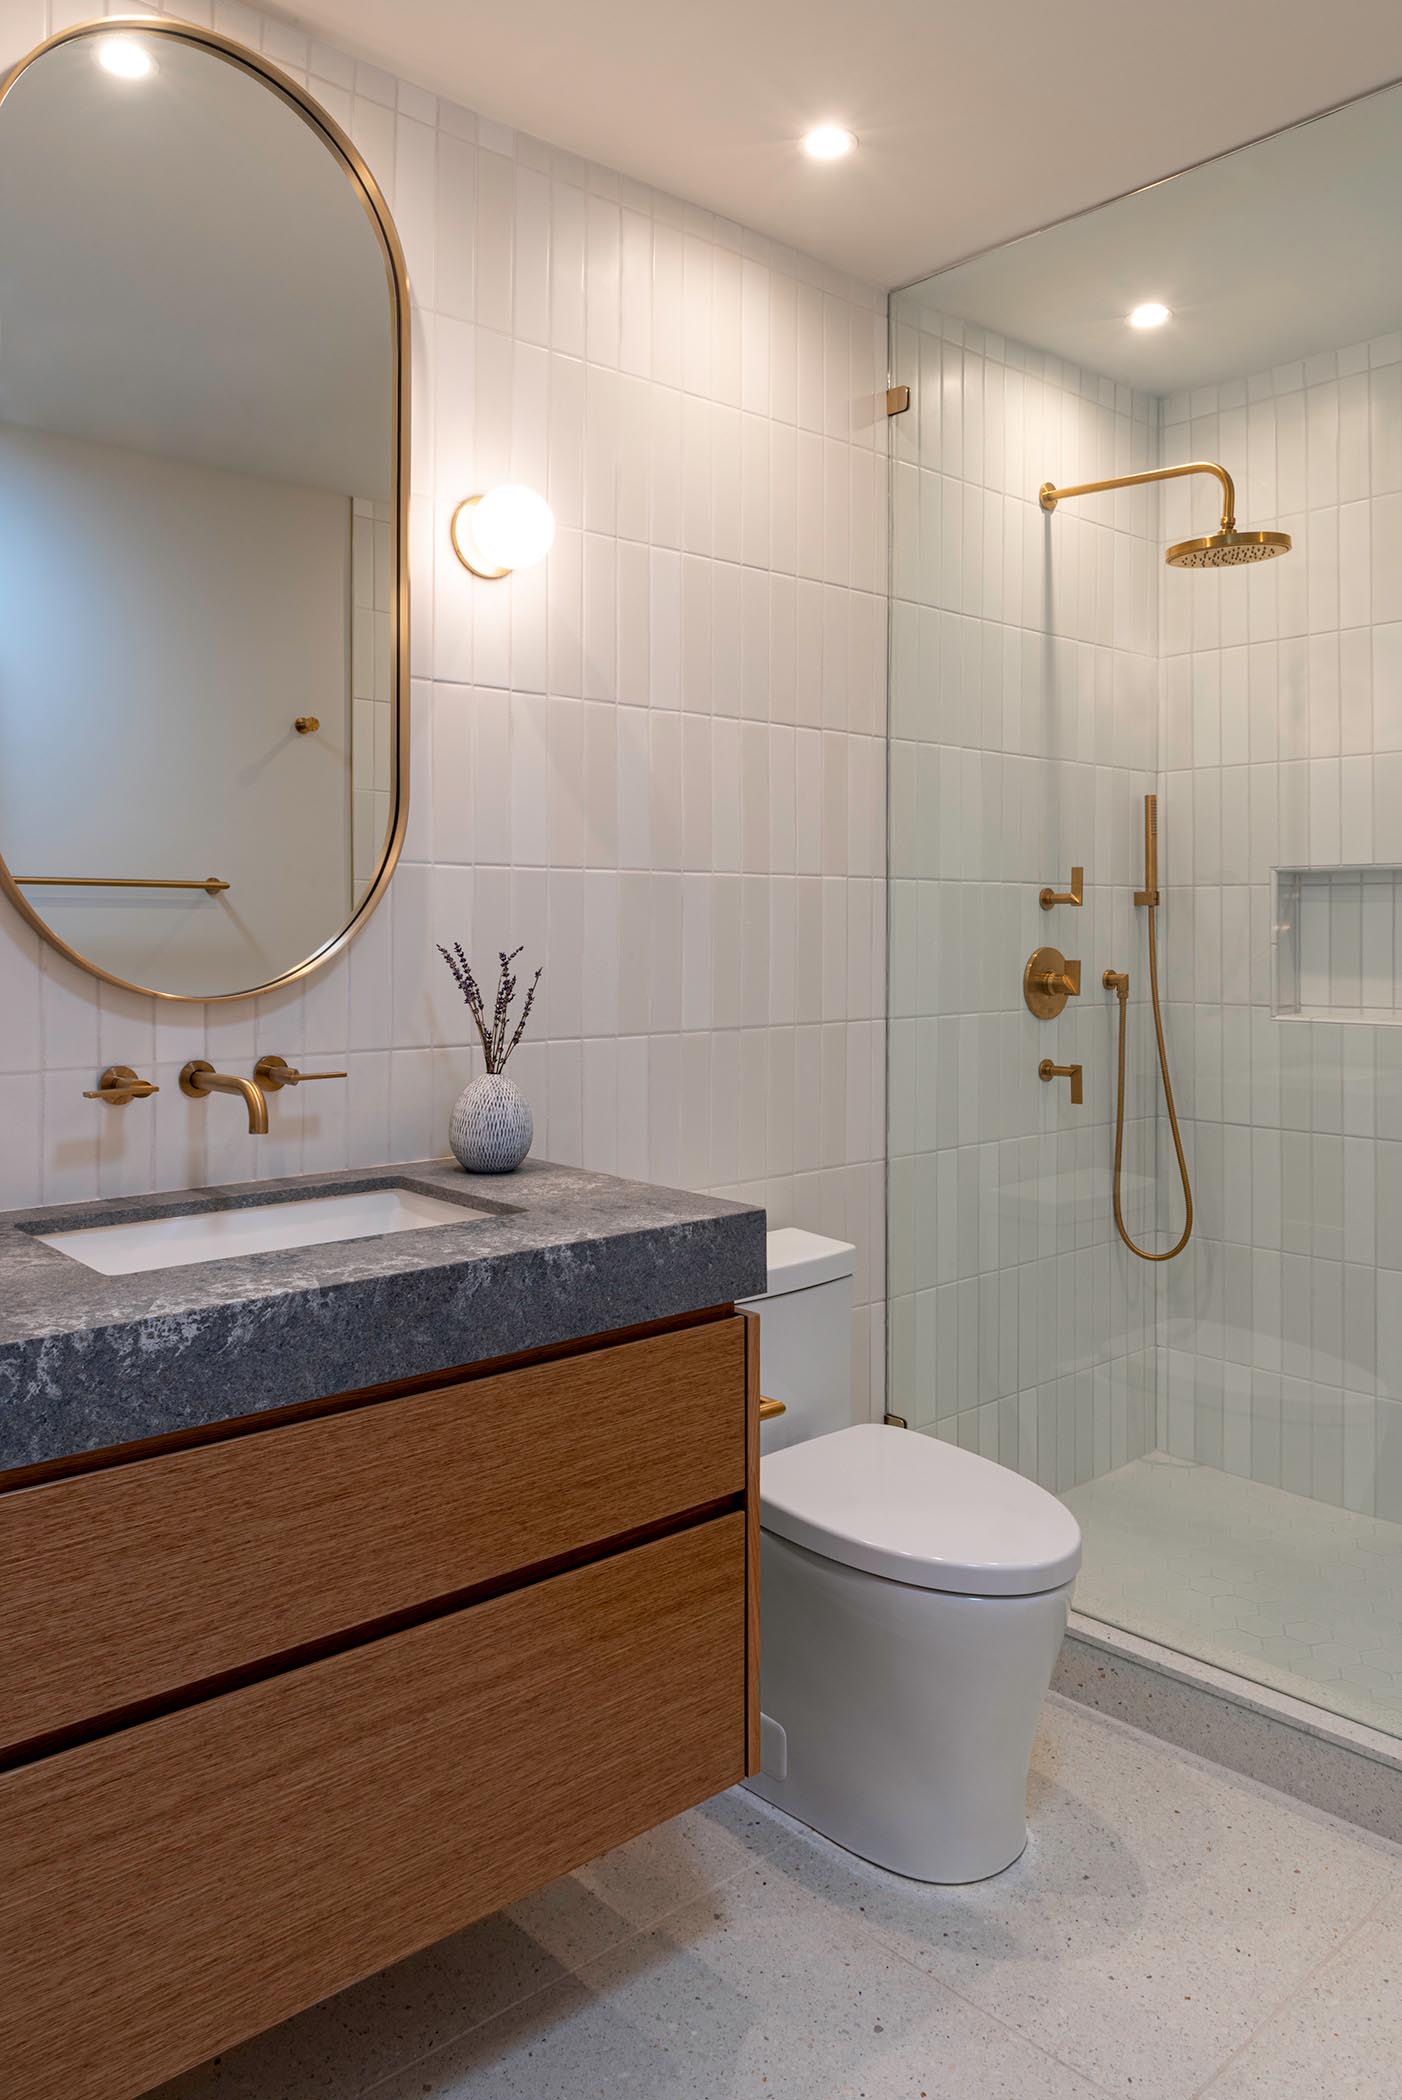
column 491, row 1127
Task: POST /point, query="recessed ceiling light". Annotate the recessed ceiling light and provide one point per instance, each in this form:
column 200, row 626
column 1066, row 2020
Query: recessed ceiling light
column 123, row 56
column 827, row 142
column 1150, row 315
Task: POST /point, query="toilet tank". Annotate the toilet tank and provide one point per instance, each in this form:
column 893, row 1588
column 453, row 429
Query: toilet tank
column 805, row 1341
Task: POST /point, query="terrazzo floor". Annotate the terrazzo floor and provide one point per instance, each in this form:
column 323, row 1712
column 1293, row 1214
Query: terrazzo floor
column 1282, row 1589
column 1172, row 1930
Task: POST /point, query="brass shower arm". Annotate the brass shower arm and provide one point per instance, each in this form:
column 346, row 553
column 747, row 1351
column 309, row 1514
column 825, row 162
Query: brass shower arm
column 1050, row 495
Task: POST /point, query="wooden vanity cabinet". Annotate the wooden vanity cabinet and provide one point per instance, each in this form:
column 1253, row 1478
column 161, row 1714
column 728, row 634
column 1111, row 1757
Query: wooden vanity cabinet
column 282, row 1706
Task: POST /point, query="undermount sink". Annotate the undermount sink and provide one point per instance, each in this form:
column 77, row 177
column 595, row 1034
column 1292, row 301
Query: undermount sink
column 258, row 1228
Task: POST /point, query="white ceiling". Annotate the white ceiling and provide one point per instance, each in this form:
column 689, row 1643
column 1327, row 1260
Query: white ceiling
column 1269, row 255
column 978, row 119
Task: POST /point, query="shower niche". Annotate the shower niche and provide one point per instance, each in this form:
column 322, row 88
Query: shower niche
column 1337, row 944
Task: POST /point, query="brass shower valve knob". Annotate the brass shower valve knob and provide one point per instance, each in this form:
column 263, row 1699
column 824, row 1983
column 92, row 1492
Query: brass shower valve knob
column 1049, row 981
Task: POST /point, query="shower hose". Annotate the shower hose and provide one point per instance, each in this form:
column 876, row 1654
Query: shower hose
column 1120, row 984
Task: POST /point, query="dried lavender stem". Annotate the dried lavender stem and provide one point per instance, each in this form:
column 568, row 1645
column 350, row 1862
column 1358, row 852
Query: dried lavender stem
column 495, row 1047
column 525, row 1014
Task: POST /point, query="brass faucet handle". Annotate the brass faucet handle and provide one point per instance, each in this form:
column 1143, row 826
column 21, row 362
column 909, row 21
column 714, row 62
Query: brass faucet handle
column 118, row 1085
column 273, row 1073
column 1071, row 979
column 1075, row 895
column 1047, row 1070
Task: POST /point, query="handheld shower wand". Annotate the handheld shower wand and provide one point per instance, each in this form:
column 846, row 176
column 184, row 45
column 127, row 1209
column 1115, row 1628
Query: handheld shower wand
column 1117, row 981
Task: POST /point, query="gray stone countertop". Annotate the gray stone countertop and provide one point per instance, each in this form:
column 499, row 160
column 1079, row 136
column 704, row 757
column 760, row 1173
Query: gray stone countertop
column 88, row 1361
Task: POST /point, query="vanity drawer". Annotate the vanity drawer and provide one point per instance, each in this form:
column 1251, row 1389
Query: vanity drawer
column 180, row 1885
column 131, row 1582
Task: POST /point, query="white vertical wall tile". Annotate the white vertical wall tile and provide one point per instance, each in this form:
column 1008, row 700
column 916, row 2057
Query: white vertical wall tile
column 1293, row 1148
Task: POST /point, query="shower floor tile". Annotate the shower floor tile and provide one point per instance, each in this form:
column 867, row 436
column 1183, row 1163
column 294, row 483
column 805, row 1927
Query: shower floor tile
column 1286, row 1591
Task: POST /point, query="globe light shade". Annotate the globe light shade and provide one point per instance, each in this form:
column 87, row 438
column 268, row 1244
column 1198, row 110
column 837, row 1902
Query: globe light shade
column 509, row 528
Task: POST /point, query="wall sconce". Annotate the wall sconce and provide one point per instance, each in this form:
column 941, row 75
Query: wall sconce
column 508, row 528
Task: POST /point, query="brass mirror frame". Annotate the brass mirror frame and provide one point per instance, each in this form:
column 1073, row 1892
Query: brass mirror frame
column 377, row 211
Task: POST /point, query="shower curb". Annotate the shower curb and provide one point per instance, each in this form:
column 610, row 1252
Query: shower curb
column 1346, row 1769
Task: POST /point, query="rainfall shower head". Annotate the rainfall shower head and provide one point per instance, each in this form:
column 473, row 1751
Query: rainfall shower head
column 1225, row 549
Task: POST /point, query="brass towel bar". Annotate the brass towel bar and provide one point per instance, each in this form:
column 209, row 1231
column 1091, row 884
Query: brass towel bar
column 210, row 883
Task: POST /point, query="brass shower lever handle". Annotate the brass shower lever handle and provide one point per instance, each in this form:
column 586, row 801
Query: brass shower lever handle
column 1047, row 1070
column 1075, row 895
column 274, row 1072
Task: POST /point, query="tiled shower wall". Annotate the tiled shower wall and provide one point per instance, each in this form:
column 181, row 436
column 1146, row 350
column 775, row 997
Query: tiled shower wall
column 658, row 761
column 1024, row 734
column 1281, row 741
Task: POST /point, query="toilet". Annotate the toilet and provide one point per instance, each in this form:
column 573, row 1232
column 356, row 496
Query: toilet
column 913, row 1597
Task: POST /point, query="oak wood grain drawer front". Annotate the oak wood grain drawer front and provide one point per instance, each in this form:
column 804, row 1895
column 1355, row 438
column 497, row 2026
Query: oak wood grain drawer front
column 174, row 1887
column 126, row 1584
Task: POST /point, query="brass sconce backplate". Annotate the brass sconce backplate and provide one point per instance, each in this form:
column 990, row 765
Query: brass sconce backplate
column 1048, row 982
column 460, row 535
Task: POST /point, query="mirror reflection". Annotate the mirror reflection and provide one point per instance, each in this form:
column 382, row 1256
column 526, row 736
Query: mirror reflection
column 199, row 538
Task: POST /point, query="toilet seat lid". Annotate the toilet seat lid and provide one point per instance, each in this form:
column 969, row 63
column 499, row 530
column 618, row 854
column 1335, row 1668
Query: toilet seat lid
column 917, row 1510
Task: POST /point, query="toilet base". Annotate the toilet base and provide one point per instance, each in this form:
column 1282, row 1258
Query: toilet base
column 907, row 1714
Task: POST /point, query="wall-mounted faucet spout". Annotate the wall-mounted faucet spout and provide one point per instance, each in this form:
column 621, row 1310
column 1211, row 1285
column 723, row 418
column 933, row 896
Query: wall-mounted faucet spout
column 199, row 1080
